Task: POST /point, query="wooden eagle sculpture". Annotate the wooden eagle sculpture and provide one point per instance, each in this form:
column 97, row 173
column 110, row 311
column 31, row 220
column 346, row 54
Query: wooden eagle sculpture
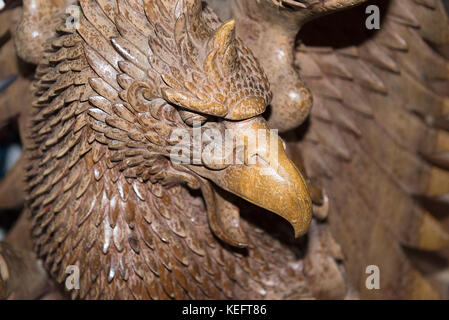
column 106, row 92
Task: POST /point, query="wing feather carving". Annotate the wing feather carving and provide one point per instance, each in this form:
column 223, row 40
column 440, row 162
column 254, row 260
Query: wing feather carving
column 386, row 126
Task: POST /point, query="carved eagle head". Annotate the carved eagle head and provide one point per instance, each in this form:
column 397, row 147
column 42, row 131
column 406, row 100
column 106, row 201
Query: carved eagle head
column 181, row 69
column 125, row 88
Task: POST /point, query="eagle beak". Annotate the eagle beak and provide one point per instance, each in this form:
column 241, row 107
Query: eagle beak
column 261, row 173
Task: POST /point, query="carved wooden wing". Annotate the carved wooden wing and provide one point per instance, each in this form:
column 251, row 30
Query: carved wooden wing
column 377, row 140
